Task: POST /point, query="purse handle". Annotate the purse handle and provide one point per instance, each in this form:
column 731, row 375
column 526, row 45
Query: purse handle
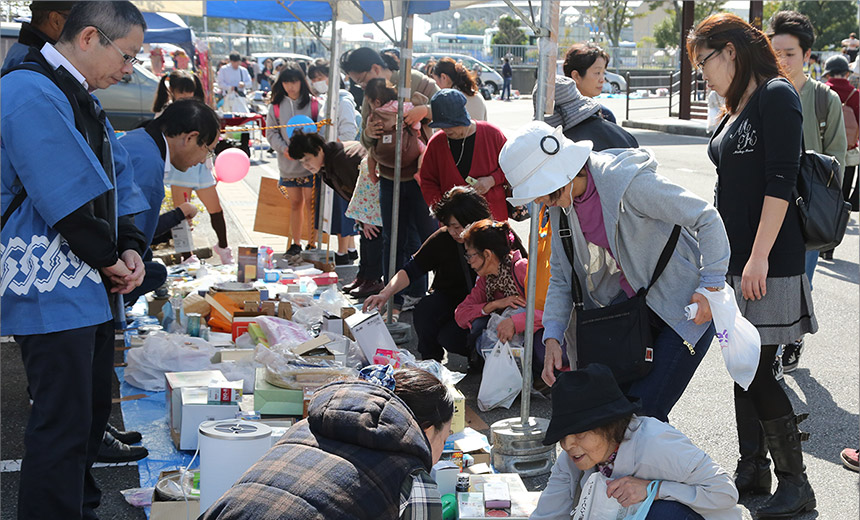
column 565, row 234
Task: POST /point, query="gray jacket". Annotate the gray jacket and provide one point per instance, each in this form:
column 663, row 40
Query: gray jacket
column 278, row 140
column 640, row 208
column 651, row 450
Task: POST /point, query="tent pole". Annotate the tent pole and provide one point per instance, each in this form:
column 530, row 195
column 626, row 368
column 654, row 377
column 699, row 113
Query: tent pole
column 404, row 86
column 332, row 100
column 547, row 52
column 365, row 13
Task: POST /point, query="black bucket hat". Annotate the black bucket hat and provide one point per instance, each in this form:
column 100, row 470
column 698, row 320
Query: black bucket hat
column 585, row 399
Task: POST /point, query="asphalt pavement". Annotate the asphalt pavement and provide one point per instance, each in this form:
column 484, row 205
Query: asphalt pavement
column 825, row 385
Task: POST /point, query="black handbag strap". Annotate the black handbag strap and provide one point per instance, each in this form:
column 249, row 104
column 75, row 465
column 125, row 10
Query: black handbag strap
column 566, row 236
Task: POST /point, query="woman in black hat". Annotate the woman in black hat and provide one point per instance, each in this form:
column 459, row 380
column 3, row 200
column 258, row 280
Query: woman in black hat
column 599, row 431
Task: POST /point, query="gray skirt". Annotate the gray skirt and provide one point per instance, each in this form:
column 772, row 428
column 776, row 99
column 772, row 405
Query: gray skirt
column 784, row 314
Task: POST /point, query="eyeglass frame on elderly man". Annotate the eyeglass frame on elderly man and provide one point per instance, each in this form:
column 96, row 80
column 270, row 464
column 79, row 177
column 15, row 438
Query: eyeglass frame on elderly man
column 127, row 58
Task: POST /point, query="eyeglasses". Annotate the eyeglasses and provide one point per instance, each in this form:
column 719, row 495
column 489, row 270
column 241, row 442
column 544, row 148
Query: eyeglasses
column 127, row 58
column 468, row 256
column 701, row 64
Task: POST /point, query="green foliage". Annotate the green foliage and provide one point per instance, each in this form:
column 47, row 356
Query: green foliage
column 509, row 32
column 472, row 27
column 611, row 16
column 668, row 31
column 833, row 21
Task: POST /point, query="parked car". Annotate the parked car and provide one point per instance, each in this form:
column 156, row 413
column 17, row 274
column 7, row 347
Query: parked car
column 490, row 78
column 301, row 59
column 615, row 83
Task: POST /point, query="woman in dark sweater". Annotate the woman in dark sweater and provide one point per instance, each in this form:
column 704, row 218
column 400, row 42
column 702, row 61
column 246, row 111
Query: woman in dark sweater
column 756, row 149
column 443, row 253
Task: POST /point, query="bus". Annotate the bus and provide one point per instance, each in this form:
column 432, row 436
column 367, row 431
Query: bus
column 445, row 38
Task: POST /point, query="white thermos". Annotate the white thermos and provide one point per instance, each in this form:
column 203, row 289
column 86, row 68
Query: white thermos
column 227, row 449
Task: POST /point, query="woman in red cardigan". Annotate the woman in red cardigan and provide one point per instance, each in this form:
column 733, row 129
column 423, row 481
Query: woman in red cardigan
column 465, row 152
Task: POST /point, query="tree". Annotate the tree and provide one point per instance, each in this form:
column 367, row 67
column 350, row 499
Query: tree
column 509, row 32
column 833, row 21
column 668, row 32
column 610, row 16
column 472, row 27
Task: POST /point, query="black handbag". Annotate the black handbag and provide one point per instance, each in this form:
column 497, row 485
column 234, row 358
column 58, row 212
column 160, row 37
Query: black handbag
column 823, row 211
column 620, row 335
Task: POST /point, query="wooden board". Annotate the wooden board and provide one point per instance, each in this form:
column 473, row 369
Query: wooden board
column 273, row 212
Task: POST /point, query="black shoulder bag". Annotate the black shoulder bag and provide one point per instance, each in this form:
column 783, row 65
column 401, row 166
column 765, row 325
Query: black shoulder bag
column 620, row 335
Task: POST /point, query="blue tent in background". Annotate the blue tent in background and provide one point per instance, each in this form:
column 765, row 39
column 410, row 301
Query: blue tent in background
column 168, row 28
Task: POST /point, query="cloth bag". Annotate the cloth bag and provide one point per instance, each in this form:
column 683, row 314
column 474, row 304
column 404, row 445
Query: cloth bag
column 739, row 340
column 619, row 335
column 595, row 505
column 501, row 381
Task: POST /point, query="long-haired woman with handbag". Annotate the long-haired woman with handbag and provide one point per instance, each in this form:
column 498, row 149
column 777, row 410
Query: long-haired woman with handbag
column 756, row 149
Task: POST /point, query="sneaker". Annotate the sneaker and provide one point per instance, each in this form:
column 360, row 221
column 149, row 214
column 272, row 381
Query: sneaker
column 295, row 249
column 778, row 372
column 850, row 459
column 353, row 254
column 343, row 259
column 409, row 303
column 224, row 253
column 791, row 356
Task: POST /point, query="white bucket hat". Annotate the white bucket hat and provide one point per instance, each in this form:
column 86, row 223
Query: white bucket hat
column 537, row 160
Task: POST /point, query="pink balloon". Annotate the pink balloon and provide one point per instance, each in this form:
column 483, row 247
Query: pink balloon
column 232, row 165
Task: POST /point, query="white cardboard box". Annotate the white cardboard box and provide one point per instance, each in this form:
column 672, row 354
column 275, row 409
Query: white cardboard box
column 370, row 333
column 175, row 382
column 194, row 410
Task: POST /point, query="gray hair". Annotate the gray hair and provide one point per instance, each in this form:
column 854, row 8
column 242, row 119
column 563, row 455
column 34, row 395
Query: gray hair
column 114, row 19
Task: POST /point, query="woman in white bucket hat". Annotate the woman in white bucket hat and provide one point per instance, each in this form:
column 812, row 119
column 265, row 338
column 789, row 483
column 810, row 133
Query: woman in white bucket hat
column 621, row 214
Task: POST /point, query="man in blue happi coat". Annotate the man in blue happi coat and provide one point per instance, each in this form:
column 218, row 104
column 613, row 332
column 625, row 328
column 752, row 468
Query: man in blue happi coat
column 69, row 247
column 45, row 26
column 184, row 136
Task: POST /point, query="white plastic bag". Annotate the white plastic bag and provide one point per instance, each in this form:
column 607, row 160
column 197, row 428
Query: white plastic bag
column 501, row 381
column 594, row 504
column 739, row 340
column 163, row 353
column 489, row 337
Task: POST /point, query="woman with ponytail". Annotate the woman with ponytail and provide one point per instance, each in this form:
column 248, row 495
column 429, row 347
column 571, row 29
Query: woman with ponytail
column 497, row 255
column 449, row 74
column 181, row 84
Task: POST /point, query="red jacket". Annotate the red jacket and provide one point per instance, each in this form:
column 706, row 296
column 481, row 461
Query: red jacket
column 473, row 306
column 439, row 172
column 842, row 87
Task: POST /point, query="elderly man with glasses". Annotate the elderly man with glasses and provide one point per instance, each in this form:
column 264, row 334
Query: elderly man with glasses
column 69, row 246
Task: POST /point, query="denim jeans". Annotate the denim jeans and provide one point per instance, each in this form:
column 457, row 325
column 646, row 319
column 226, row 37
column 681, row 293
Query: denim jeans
column 506, row 87
column 670, row 510
column 414, row 226
column 811, row 264
column 370, row 257
column 673, row 369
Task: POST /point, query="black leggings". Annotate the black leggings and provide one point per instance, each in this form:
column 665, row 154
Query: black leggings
column 765, row 391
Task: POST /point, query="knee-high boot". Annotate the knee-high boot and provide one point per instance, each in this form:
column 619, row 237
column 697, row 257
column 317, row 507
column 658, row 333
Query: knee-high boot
column 793, row 493
column 753, row 472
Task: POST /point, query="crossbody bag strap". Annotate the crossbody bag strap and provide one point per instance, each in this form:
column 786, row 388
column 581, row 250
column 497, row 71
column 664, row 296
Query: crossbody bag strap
column 665, row 255
column 567, row 241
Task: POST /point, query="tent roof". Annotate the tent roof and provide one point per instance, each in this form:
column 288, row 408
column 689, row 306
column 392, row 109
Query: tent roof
column 307, row 10
column 166, row 28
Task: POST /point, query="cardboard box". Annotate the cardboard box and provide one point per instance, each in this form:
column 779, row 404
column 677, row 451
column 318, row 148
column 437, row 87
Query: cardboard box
column 225, row 393
column 496, row 495
column 458, row 423
column 470, row 505
column 274, row 400
column 173, row 509
column 332, row 323
column 155, row 305
column 370, row 333
column 195, row 408
column 223, row 355
column 175, row 381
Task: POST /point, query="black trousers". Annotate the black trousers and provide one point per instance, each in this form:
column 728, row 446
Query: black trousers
column 69, row 374
column 437, row 331
column 154, row 278
column 370, row 257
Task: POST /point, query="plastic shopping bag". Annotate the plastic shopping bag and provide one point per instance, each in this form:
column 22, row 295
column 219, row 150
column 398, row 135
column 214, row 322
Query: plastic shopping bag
column 501, row 382
column 595, row 505
column 739, row 340
column 163, row 353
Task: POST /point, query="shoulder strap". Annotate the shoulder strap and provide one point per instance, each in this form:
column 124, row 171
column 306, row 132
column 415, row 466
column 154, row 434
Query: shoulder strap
column 849, row 96
column 665, row 255
column 277, row 110
column 15, row 204
column 315, row 108
column 821, row 98
column 565, row 234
